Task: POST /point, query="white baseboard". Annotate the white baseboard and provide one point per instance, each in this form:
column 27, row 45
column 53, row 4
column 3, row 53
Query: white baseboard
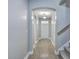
column 28, row 54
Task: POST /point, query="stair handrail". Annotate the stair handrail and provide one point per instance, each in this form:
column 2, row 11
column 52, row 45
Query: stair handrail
column 63, row 30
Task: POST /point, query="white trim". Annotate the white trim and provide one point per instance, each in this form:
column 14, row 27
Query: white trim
column 28, row 54
column 53, row 43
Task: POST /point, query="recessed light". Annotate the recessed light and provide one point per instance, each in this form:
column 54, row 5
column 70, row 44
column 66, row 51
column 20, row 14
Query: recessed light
column 44, row 17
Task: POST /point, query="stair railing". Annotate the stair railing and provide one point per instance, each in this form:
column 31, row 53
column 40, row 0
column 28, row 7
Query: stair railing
column 63, row 30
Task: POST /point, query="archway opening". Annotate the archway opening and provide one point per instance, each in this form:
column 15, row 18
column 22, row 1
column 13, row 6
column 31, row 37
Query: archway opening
column 43, row 24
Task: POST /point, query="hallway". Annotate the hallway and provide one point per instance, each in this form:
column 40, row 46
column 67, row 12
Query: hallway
column 39, row 29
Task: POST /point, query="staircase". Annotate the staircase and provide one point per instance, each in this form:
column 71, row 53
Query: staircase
column 64, row 50
column 65, row 53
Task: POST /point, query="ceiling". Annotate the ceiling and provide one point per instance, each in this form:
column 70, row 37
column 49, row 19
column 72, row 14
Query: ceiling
column 43, row 13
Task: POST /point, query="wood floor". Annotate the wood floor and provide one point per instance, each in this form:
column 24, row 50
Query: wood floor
column 43, row 50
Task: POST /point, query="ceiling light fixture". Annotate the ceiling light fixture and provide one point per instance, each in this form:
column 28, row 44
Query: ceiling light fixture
column 44, row 13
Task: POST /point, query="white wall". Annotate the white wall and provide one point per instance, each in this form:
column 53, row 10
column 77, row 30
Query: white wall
column 17, row 29
column 63, row 18
column 44, row 30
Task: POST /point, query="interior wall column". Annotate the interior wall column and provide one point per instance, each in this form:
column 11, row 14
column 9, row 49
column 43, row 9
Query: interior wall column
column 49, row 27
column 39, row 28
column 35, row 28
column 37, row 22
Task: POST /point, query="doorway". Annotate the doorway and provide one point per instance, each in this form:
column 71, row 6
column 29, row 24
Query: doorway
column 43, row 24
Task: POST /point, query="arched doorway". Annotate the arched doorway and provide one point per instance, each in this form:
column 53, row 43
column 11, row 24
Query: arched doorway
column 43, row 24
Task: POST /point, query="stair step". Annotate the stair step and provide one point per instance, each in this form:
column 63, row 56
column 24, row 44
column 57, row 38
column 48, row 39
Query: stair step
column 59, row 56
column 64, row 55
